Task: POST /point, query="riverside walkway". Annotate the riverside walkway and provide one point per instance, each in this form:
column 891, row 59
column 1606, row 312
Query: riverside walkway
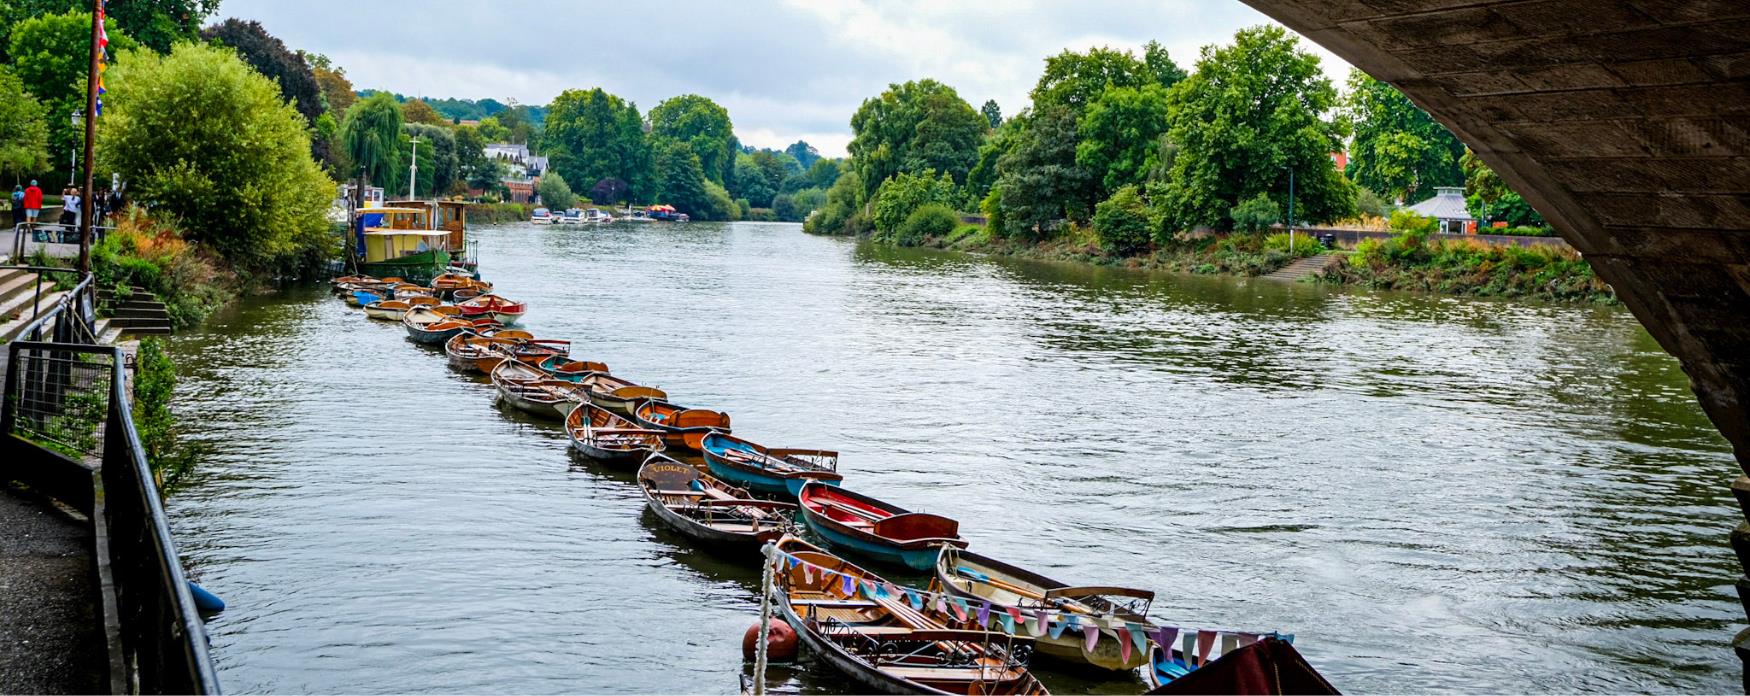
column 53, row 642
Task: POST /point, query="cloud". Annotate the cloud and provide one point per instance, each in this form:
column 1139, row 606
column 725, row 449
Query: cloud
column 785, row 69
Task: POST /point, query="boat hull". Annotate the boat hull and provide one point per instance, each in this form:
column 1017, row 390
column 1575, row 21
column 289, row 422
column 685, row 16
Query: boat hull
column 757, row 480
column 417, row 268
column 432, row 338
column 916, row 557
column 384, row 314
column 840, row 660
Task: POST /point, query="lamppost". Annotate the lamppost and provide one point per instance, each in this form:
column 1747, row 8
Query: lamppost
column 1290, row 211
column 78, row 119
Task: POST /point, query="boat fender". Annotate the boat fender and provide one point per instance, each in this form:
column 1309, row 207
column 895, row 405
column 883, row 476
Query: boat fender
column 205, row 601
column 781, row 643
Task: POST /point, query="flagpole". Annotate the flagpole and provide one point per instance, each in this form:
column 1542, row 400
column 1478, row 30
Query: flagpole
column 91, row 80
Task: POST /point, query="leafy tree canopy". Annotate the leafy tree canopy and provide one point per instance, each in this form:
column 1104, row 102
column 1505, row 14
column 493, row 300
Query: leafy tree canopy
column 1242, row 122
column 913, row 127
column 269, row 56
column 1399, row 150
column 51, row 55
column 594, row 135
column 992, row 112
column 1039, row 183
column 906, row 192
column 1120, row 135
column 703, row 126
column 331, row 79
column 24, row 129
column 555, row 193
column 1490, row 199
column 418, row 111
column 370, row 135
column 154, row 23
column 438, row 149
column 202, row 137
column 803, row 153
column 1077, row 80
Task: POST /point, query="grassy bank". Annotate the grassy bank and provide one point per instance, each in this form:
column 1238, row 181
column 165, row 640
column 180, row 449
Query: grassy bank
column 1406, row 262
column 498, row 213
column 151, row 253
column 1411, row 262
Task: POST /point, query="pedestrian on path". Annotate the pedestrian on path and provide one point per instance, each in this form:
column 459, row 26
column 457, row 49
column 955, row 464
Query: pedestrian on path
column 17, row 205
column 70, row 210
column 33, row 204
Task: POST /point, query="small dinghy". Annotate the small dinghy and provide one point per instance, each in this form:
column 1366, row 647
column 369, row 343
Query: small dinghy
column 465, row 351
column 505, row 311
column 535, row 392
column 768, row 470
column 608, row 437
column 387, row 310
column 708, row 510
column 682, row 427
column 888, row 533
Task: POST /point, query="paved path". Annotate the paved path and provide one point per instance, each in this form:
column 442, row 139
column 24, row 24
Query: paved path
column 50, row 628
column 1304, row 267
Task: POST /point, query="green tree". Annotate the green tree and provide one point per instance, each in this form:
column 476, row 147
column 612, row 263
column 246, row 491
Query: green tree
column 420, row 111
column 269, row 56
column 1120, row 135
column 1256, row 214
column 1490, row 199
column 1124, row 222
column 331, row 79
column 803, row 153
column 594, row 135
column 439, row 143
column 1039, row 183
column 492, row 131
column 824, row 173
column 844, row 203
column 1076, row 80
column 1399, row 150
column 993, row 114
column 913, row 127
column 555, row 193
column 984, row 173
column 51, row 55
column 1247, row 118
column 703, row 126
column 899, row 196
column 24, row 130
column 157, row 24
column 473, row 168
column 371, row 137
column 202, row 137
column 681, row 180
column 749, row 181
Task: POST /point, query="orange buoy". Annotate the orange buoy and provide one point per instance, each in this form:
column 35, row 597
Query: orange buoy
column 780, row 642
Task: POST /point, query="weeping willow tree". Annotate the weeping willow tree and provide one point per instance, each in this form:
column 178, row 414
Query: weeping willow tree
column 372, row 138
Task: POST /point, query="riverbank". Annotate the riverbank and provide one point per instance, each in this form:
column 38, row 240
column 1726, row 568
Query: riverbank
column 1405, row 262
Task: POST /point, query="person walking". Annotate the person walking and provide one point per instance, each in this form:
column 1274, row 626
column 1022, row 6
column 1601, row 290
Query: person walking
column 17, row 205
column 70, row 210
column 33, row 204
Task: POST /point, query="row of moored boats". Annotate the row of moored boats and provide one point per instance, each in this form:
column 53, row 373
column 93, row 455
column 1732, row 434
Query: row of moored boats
column 972, row 630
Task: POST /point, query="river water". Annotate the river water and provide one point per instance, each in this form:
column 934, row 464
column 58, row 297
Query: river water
column 1433, row 494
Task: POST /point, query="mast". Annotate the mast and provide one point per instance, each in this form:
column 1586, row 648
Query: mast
column 91, row 84
column 413, row 171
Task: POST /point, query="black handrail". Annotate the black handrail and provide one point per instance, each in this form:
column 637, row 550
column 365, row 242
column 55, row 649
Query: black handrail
column 162, row 641
column 83, row 293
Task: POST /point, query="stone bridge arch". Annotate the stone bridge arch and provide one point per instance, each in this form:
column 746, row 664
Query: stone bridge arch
column 1626, row 123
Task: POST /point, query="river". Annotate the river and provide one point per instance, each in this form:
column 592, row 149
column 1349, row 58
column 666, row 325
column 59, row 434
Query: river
column 1433, row 494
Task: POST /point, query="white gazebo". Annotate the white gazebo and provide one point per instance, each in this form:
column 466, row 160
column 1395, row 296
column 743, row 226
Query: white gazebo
column 1448, row 207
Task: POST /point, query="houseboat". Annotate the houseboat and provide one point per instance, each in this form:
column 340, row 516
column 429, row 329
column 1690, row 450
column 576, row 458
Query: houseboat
column 450, row 217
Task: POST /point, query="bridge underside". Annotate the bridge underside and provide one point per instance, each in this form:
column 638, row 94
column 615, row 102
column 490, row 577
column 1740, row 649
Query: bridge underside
column 1625, row 122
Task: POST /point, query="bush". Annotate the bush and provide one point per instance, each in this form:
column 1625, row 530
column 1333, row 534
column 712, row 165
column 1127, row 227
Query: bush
column 906, row 192
column 843, row 202
column 554, row 192
column 152, row 254
column 1406, row 221
column 1255, row 214
column 1123, row 223
column 1304, row 244
column 762, row 215
column 1523, row 231
column 154, row 384
column 1369, row 203
column 930, row 220
column 202, row 137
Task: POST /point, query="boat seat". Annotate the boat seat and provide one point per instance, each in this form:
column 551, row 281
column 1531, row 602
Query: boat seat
column 833, row 603
column 678, row 494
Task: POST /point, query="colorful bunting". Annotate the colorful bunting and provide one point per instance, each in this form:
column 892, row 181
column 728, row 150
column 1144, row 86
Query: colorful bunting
column 1229, row 643
column 1037, row 627
column 1124, row 643
column 1164, row 637
column 984, row 613
column 1138, row 636
column 848, row 585
column 1090, row 638
column 1057, row 627
column 911, row 597
column 1205, row 641
column 1007, row 621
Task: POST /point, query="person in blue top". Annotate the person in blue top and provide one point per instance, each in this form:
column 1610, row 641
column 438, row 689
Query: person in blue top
column 17, row 205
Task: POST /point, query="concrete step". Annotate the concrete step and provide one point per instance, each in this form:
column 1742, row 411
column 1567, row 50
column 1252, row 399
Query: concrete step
column 12, row 324
column 138, row 312
column 1302, row 268
column 141, row 304
column 137, row 323
column 15, row 286
column 163, row 330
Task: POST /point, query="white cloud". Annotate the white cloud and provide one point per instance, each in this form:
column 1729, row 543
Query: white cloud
column 785, row 69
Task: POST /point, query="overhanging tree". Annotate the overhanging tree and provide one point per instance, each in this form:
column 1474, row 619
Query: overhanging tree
column 269, row 56
column 24, row 131
column 1249, row 116
column 913, row 127
column 1399, row 150
column 371, row 135
column 594, row 135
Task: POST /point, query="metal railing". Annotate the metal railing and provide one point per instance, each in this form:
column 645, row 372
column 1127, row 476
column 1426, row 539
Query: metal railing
column 56, row 323
column 66, row 405
column 49, row 233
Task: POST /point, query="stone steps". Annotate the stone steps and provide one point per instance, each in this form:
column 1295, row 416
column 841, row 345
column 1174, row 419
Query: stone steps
column 1302, row 268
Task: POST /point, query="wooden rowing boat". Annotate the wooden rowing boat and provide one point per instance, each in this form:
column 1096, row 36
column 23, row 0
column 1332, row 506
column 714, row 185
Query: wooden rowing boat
column 774, row 471
column 708, row 510
column 434, row 325
column 529, row 347
column 888, row 533
column 534, row 392
column 387, row 310
column 682, row 427
column 608, row 437
column 884, row 643
column 973, row 576
column 447, row 284
column 617, row 394
column 465, row 351
column 563, row 367
column 507, row 312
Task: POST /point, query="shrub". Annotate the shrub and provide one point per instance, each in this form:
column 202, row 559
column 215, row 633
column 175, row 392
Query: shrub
column 930, row 220
column 1123, row 223
column 1304, row 244
column 1255, row 214
column 761, row 215
column 907, row 192
column 154, row 385
column 149, row 253
column 1524, row 231
column 555, row 193
column 843, row 202
column 1406, row 221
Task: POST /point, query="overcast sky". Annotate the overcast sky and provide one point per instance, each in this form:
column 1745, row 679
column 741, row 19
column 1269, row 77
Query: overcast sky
column 785, row 69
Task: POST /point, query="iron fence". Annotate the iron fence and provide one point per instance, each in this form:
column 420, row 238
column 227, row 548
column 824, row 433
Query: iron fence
column 71, row 398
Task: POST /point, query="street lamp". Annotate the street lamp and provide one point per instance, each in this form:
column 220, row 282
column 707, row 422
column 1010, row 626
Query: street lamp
column 1290, row 211
column 78, row 119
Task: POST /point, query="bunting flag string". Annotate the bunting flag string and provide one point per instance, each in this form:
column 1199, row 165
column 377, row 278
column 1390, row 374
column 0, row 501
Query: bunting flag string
column 102, row 44
column 1195, row 646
